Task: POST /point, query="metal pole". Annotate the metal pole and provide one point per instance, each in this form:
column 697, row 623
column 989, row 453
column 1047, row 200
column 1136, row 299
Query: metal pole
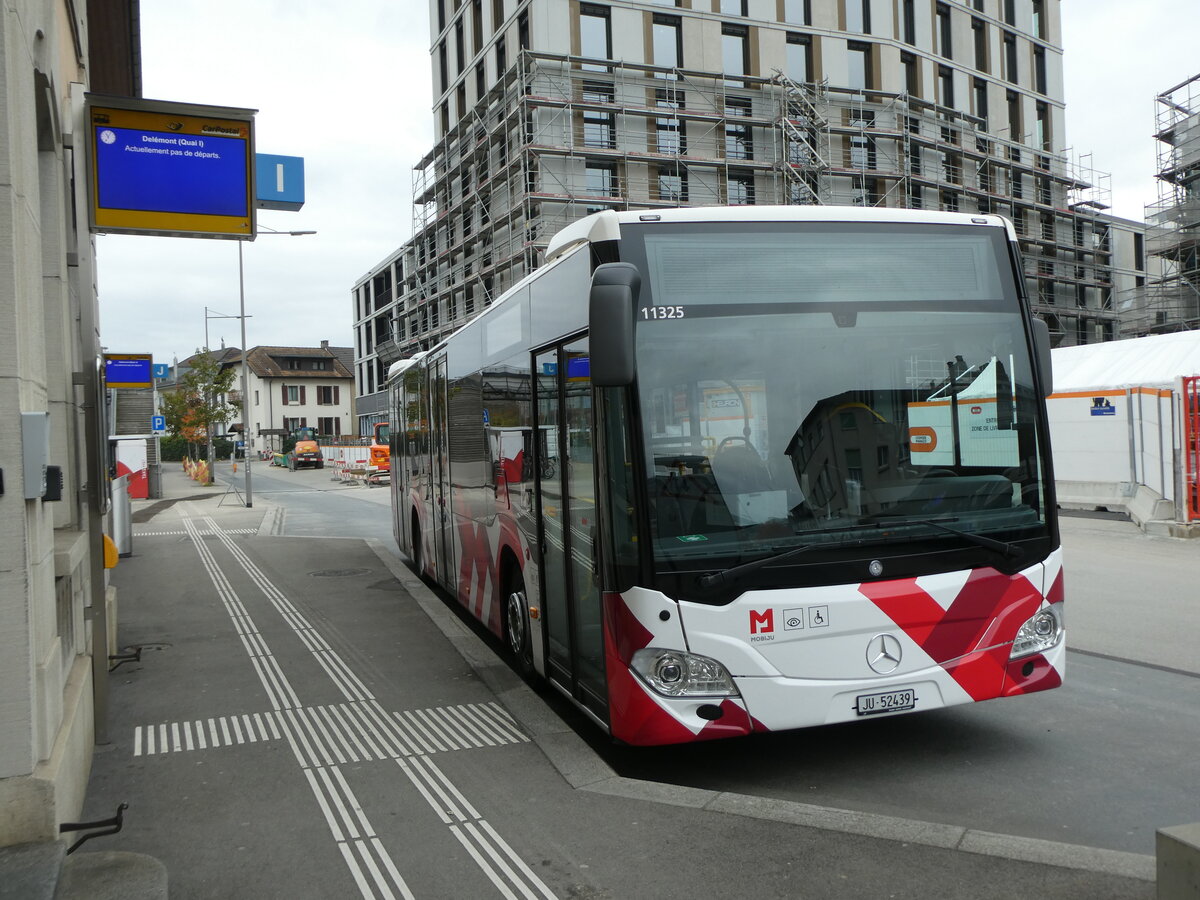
column 245, row 378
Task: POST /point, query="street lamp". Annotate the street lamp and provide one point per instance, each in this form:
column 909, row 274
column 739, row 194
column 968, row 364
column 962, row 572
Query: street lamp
column 245, row 364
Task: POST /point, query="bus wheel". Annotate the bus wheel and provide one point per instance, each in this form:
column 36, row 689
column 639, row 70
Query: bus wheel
column 516, row 625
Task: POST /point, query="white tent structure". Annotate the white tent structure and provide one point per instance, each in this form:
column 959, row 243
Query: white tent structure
column 1125, row 428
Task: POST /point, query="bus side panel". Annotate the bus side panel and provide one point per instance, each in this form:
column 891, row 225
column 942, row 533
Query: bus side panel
column 637, row 715
column 482, row 543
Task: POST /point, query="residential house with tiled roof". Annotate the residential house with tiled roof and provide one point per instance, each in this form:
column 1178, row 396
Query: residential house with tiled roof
column 294, row 387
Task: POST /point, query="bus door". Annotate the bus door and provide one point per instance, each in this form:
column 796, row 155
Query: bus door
column 443, row 512
column 565, row 467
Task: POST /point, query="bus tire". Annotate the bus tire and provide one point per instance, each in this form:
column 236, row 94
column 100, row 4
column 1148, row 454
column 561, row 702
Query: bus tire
column 517, row 638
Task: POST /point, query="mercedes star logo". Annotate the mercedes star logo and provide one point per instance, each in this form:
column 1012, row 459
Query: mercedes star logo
column 883, row 653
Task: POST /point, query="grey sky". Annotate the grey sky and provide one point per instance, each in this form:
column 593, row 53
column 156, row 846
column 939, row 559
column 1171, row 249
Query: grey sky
column 346, row 86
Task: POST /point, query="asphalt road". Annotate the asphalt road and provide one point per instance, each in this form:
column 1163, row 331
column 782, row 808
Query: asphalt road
column 1103, row 762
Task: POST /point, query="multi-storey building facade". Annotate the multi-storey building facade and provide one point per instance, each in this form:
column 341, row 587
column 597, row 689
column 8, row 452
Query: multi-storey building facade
column 1170, row 299
column 547, row 110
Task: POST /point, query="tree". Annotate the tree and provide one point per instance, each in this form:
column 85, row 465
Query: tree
column 199, row 405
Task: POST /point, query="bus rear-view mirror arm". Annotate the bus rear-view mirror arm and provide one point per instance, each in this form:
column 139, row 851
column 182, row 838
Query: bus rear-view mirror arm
column 1041, row 346
column 614, row 294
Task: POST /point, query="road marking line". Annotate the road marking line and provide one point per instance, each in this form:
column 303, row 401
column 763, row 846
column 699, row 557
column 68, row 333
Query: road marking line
column 482, row 863
column 436, row 729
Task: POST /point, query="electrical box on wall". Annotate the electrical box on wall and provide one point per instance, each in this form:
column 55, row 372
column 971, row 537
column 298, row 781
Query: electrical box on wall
column 35, row 449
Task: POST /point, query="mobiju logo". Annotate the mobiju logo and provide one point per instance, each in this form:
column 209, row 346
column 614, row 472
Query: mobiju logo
column 762, row 622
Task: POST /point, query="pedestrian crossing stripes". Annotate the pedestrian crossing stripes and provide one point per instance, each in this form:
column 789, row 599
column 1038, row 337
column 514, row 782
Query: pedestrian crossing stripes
column 200, row 532
column 341, row 733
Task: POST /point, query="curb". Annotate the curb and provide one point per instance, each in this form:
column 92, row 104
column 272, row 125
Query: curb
column 580, row 767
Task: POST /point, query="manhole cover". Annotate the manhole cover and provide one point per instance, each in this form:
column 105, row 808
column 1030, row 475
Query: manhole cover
column 339, row 573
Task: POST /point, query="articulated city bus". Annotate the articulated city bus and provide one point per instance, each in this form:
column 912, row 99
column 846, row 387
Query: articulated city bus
column 716, row 471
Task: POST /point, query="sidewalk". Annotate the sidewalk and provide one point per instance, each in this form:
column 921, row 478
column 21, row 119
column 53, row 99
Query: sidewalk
column 309, row 720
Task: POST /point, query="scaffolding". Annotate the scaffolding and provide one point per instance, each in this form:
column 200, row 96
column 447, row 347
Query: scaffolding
column 1171, row 301
column 559, row 137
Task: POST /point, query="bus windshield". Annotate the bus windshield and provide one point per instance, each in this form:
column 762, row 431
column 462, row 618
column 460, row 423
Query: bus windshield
column 834, row 387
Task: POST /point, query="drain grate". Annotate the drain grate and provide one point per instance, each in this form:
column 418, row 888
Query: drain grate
column 338, row 573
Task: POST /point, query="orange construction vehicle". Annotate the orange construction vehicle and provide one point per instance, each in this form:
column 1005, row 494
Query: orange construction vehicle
column 380, row 456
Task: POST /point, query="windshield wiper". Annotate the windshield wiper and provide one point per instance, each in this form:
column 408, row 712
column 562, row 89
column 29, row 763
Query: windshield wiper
column 1003, row 547
column 717, row 579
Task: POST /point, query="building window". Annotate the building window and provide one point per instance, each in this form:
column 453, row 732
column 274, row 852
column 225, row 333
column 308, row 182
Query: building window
column 735, row 51
column 523, row 30
column 912, row 74
column 328, row 395
column 799, row 54
column 497, row 14
column 862, row 151
column 981, row 100
column 945, row 42
column 600, row 178
column 292, row 394
column 1014, row 117
column 460, row 55
column 668, row 41
column 670, row 136
column 595, row 34
column 329, row 425
column 501, row 58
column 1039, row 69
column 1039, row 19
column 858, row 16
column 858, row 63
column 741, row 188
column 1010, row 12
column 797, row 12
column 673, row 184
column 951, row 168
column 864, row 191
column 1010, row 57
column 739, row 143
column 733, row 7
column 979, row 30
column 910, row 22
column 599, row 125
column 946, row 86
column 1043, row 137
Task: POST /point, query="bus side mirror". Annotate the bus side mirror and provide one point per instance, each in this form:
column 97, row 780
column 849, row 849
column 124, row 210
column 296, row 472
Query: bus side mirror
column 615, row 288
column 1041, row 347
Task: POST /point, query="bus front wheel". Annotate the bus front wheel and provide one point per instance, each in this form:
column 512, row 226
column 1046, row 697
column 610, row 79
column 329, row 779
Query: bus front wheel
column 516, row 625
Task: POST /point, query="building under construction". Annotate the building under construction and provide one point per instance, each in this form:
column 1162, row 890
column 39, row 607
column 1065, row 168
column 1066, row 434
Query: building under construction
column 916, row 104
column 1170, row 301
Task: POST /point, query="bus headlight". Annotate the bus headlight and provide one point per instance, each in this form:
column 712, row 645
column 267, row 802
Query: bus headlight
column 1041, row 632
column 674, row 673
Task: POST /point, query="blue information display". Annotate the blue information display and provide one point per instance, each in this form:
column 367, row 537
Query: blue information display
column 128, row 370
column 175, row 169
column 164, row 172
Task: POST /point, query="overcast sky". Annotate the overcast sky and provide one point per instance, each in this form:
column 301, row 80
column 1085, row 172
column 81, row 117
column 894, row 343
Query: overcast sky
column 346, row 86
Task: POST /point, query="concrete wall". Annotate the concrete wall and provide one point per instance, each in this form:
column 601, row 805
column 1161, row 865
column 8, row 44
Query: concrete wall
column 46, row 699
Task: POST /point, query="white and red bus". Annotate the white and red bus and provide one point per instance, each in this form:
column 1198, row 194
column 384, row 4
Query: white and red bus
column 716, row 471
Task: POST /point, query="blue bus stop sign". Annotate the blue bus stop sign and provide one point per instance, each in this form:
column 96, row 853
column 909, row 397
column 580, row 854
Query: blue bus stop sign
column 278, row 181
